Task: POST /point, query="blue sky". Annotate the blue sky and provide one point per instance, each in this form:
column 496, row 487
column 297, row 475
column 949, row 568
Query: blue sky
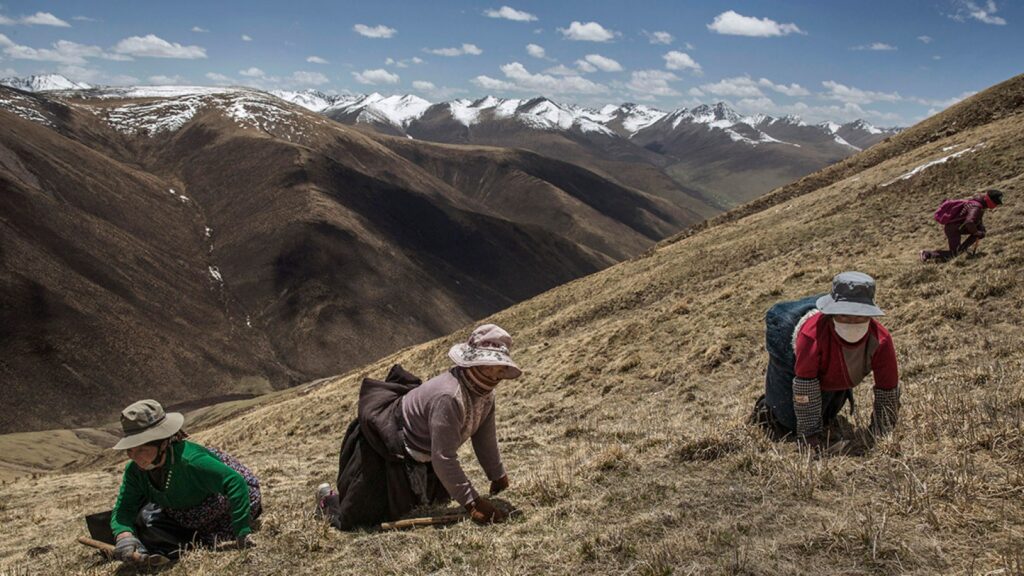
column 889, row 62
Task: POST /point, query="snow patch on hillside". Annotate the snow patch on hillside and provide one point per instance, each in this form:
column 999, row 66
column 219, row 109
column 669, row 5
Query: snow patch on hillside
column 928, row 165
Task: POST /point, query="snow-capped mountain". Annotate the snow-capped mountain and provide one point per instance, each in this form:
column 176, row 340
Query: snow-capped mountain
column 43, row 83
column 314, row 100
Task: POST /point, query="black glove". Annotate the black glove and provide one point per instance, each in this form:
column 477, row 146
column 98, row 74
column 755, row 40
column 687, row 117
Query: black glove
column 482, row 511
column 499, row 485
column 126, row 548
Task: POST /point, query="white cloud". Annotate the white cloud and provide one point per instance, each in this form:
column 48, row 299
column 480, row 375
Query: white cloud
column 246, row 38
column 522, row 80
column 563, row 70
column 795, row 90
column 219, row 78
column 199, row 30
column 304, row 78
column 851, row 95
column 588, row 32
column 84, row 19
column 45, row 19
column 253, row 72
column 925, row 39
column 740, row 86
column 736, row 24
column 378, row 76
column 509, row 13
column 488, row 83
column 462, row 50
column 316, row 60
column 163, row 79
column 681, row 61
column 652, row 83
column 695, row 92
column 585, row 67
column 603, row 63
column 659, row 37
column 63, row 52
column 943, row 104
column 423, row 86
column 970, row 10
column 5, row 21
column 379, row 31
column 152, row 46
column 403, row 63
column 535, row 50
column 875, row 46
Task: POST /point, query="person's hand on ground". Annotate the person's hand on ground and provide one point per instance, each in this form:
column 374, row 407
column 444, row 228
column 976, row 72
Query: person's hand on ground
column 247, row 541
column 498, row 485
column 127, row 546
column 482, row 511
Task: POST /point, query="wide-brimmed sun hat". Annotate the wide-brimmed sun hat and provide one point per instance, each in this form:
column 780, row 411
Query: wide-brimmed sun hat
column 488, row 345
column 853, row 294
column 145, row 421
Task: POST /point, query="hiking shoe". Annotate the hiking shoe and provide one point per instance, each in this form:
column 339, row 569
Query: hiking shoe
column 322, row 492
column 923, row 256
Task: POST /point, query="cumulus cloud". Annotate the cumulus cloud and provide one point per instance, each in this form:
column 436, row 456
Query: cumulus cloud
column 652, row 83
column 603, row 63
column 967, row 10
column 199, row 30
column 253, row 72
column 5, row 21
column 875, row 46
column 152, row 46
column 509, row 13
column 44, row 19
column 217, row 78
column 563, row 70
column 460, row 51
column 62, row 52
column 304, row 78
column 681, row 61
column 423, row 86
column 925, row 39
column 535, row 50
column 522, row 80
column 316, row 60
column 851, row 95
column 795, row 90
column 403, row 63
column 658, row 37
column 246, row 38
column 379, row 31
column 84, row 19
column 588, row 32
column 163, row 79
column 377, row 76
column 735, row 24
column 695, row 92
column 740, row 87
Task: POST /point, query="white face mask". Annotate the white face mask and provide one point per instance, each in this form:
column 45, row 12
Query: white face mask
column 851, row 332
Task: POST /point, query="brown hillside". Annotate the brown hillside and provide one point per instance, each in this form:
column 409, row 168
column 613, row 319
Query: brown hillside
column 626, row 438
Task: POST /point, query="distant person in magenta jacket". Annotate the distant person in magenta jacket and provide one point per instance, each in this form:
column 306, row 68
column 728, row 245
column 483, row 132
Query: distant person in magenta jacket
column 820, row 348
column 174, row 492
column 960, row 218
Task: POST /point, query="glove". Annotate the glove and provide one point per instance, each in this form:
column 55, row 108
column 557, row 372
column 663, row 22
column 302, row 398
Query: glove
column 247, row 541
column 482, row 511
column 499, row 485
column 126, row 548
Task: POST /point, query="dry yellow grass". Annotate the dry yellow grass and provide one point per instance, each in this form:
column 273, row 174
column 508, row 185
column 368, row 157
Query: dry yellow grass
column 626, row 438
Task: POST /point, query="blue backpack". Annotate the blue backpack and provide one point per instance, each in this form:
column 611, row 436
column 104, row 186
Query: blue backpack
column 780, row 323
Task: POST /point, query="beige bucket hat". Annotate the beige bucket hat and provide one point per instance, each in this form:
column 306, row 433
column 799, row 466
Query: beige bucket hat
column 488, row 345
column 145, row 421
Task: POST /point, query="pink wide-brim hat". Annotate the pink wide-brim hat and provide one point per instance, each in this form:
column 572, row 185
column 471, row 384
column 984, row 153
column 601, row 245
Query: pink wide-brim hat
column 488, row 345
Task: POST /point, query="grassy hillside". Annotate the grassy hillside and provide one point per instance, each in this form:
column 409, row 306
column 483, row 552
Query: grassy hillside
column 626, row 438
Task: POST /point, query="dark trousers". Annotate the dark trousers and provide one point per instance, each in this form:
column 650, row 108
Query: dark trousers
column 156, row 530
column 954, row 237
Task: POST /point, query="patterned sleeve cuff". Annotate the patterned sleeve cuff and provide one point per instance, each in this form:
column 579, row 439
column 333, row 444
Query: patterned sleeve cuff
column 807, row 405
column 886, row 411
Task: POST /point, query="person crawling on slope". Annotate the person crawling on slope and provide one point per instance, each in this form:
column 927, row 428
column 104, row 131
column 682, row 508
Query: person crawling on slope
column 960, row 217
column 819, row 349
column 174, row 492
column 402, row 450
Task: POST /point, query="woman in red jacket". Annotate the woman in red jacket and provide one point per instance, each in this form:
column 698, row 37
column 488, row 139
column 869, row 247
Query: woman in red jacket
column 963, row 217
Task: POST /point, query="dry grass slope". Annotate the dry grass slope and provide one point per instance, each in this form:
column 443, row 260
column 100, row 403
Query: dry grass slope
column 626, row 437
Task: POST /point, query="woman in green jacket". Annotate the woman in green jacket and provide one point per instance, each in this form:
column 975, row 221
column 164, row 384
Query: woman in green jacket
column 175, row 492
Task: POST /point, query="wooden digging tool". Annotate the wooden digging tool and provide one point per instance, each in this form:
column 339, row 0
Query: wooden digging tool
column 425, row 521
column 150, row 560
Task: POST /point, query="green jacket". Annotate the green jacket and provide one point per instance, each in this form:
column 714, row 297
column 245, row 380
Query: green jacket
column 194, row 475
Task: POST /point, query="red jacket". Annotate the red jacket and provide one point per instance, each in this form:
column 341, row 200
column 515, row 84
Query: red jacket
column 819, row 354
